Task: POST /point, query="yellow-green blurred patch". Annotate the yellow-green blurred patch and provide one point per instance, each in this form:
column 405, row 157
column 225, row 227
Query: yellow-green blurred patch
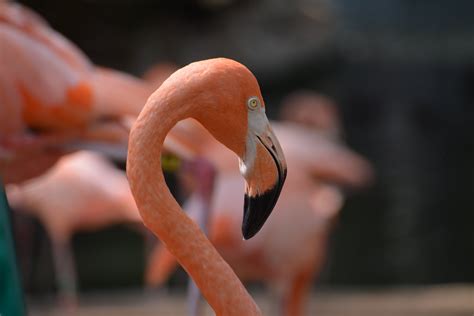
column 170, row 163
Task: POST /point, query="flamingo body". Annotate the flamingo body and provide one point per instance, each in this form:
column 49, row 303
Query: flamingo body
column 47, row 85
column 83, row 191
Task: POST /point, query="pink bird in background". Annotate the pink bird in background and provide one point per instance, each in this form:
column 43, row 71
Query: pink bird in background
column 291, row 249
column 81, row 192
column 52, row 97
column 313, row 110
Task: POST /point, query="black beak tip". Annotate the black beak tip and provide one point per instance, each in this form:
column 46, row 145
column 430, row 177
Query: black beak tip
column 257, row 210
column 247, row 233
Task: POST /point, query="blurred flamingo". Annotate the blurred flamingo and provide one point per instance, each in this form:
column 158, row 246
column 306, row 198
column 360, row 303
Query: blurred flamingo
column 51, row 96
column 223, row 96
column 313, row 110
column 300, row 227
column 159, row 72
column 82, row 191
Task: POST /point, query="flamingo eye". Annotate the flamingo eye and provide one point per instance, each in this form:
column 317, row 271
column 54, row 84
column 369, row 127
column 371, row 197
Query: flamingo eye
column 253, row 103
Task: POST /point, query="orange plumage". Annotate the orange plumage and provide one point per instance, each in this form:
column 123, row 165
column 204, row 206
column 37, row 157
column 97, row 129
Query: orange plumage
column 215, row 92
column 48, row 85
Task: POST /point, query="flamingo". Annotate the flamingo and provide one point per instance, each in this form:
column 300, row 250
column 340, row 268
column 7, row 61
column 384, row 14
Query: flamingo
column 314, row 110
column 51, row 96
column 309, row 204
column 224, row 96
column 83, row 191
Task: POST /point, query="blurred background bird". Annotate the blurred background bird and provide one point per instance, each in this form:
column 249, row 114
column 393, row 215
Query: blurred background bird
column 52, row 95
column 81, row 192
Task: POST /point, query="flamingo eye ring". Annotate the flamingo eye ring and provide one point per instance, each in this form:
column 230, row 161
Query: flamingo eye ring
column 253, row 103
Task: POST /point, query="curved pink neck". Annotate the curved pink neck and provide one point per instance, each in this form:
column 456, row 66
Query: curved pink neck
column 162, row 214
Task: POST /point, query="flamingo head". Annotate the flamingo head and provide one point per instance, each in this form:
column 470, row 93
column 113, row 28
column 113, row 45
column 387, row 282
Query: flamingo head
column 233, row 110
column 264, row 168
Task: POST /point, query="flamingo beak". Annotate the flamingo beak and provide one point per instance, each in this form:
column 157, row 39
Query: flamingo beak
column 258, row 207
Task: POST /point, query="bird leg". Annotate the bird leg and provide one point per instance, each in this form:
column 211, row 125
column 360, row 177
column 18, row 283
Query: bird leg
column 292, row 302
column 65, row 277
column 203, row 174
column 194, row 299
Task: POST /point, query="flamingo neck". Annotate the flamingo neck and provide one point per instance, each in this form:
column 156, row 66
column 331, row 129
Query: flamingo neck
column 163, row 215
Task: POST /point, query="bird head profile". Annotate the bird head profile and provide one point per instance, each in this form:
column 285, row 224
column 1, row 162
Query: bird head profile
column 227, row 101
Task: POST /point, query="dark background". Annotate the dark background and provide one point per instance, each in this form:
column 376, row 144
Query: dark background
column 403, row 75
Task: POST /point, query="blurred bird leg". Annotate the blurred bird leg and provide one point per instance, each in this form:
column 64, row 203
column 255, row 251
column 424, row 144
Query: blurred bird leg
column 203, row 173
column 66, row 274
